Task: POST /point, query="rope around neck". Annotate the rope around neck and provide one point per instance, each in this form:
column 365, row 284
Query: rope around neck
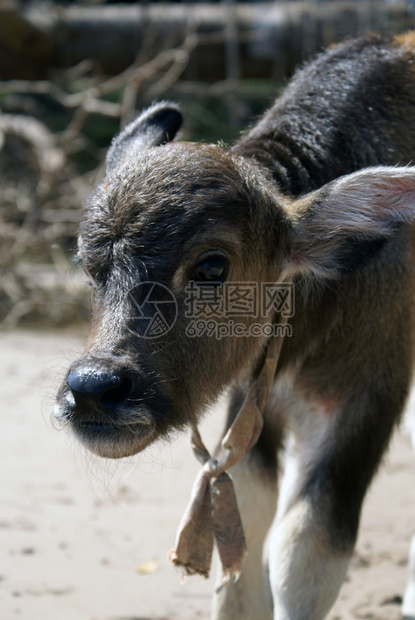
column 212, row 513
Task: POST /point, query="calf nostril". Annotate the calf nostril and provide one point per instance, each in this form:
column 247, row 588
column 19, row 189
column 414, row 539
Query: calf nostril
column 116, row 394
column 104, row 387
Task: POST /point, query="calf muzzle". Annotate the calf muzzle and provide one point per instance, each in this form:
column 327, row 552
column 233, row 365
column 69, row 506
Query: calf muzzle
column 112, row 408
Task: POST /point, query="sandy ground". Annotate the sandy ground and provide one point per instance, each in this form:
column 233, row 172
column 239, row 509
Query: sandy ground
column 87, row 539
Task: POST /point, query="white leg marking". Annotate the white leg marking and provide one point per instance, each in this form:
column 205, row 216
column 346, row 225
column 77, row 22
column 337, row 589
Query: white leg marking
column 248, row 598
column 306, row 573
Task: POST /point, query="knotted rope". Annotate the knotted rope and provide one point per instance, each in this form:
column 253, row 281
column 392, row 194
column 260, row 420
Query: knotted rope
column 212, row 513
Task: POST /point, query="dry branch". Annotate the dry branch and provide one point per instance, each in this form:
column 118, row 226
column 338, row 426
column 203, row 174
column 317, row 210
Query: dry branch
column 41, row 190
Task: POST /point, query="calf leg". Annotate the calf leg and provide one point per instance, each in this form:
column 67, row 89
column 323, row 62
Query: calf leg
column 306, row 569
column 332, row 457
column 255, row 483
column 249, row 598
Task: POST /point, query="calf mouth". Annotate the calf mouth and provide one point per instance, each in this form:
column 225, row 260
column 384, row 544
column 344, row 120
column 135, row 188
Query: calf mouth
column 109, row 435
column 113, row 413
column 113, row 439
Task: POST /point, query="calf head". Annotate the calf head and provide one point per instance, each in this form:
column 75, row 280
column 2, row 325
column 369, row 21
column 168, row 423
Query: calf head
column 172, row 218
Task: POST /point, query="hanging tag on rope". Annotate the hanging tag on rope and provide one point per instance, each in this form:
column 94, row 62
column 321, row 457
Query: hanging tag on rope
column 213, row 513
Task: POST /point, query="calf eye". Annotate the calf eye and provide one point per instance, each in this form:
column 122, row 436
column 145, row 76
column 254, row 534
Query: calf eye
column 211, row 269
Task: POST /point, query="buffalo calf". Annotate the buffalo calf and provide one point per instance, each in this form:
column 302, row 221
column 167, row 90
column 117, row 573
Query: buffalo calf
column 196, row 253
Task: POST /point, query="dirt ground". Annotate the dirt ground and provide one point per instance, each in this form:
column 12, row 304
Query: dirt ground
column 87, row 539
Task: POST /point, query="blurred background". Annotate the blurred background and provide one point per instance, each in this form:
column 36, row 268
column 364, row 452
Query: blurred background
column 73, row 73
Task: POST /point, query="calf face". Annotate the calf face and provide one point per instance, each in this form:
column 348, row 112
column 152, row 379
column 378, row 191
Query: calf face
column 172, row 214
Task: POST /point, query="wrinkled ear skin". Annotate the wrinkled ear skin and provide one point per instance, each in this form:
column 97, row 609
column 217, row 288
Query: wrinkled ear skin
column 157, row 125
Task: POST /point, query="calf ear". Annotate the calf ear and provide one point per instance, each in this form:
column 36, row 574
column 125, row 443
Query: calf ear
column 342, row 226
column 154, row 127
